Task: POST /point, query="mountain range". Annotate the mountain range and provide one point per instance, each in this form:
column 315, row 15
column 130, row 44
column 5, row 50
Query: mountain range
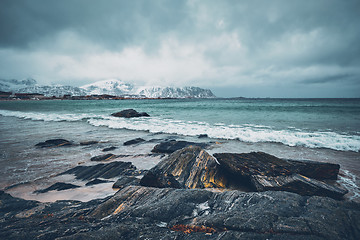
column 110, row 87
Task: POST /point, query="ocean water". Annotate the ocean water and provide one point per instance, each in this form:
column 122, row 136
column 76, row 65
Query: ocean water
column 314, row 129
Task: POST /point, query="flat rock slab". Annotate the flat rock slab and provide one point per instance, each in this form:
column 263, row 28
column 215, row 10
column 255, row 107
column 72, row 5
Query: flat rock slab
column 59, row 186
column 298, row 184
column 259, row 163
column 134, row 141
column 54, row 143
column 172, row 146
column 130, row 113
column 106, row 171
column 104, row 157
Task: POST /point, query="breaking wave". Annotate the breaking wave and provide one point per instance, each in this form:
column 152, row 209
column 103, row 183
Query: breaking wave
column 247, row 132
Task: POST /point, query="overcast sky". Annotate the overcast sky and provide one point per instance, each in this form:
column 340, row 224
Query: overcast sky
column 276, row 48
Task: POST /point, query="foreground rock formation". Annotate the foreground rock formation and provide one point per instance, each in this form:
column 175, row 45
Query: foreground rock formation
column 136, row 212
column 192, row 167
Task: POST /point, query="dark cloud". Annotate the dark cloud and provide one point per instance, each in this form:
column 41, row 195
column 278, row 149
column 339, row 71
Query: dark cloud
column 331, row 79
column 217, row 44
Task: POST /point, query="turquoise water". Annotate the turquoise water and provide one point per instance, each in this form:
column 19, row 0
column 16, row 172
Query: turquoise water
column 311, row 129
column 313, row 123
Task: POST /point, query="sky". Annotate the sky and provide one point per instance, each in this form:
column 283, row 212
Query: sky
column 254, row 48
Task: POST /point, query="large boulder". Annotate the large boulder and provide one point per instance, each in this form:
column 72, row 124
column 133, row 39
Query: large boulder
column 173, row 145
column 191, row 167
column 130, row 113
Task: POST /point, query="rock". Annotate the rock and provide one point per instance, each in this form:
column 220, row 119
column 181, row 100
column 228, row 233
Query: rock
column 136, row 212
column 203, row 136
column 96, row 181
column 133, row 141
column 191, row 167
column 54, row 143
column 105, row 157
column 59, row 186
column 106, row 171
column 172, row 146
column 260, row 171
column 124, row 181
column 109, row 149
column 298, row 184
column 130, row 113
column 88, row 143
column 259, row 163
column 232, row 214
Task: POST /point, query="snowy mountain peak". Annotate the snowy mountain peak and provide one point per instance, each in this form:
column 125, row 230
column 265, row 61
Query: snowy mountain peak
column 112, row 87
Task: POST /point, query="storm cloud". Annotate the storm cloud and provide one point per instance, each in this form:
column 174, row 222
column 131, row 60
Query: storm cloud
column 236, row 48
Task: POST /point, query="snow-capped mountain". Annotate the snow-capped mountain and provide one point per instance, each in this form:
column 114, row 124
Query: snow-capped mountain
column 117, row 87
column 13, row 84
column 111, row 87
column 30, row 85
column 54, row 90
column 175, row 92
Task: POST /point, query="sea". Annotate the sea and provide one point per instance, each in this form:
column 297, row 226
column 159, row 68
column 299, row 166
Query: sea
column 326, row 130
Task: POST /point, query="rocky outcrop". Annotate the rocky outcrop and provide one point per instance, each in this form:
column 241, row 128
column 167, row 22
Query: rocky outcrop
column 232, row 214
column 192, row 167
column 96, row 181
column 136, row 212
column 54, row 143
column 134, row 141
column 173, row 145
column 130, row 113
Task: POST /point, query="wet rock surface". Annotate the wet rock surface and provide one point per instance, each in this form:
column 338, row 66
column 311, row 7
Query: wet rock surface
column 137, row 212
column 173, row 145
column 130, row 113
column 96, row 181
column 54, row 143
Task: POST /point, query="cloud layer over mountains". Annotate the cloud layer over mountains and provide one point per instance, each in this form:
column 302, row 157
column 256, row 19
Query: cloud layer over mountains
column 252, row 48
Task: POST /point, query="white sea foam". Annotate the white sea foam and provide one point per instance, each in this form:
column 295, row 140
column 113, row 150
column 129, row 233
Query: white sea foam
column 47, row 117
column 247, row 132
